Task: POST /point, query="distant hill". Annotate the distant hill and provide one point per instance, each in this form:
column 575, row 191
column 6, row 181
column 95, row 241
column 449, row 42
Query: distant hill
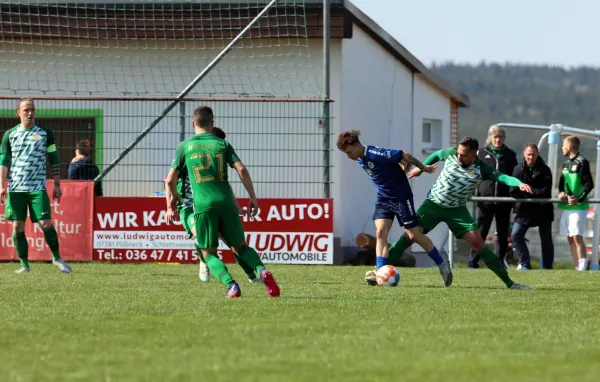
column 528, row 94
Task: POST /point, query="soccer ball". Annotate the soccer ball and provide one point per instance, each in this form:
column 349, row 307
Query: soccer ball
column 387, row 276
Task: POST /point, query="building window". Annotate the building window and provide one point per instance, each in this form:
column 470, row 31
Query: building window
column 426, row 132
column 431, row 134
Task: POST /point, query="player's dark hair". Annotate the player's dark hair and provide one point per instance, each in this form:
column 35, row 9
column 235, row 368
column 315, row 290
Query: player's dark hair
column 348, row 138
column 218, row 132
column 574, row 141
column 469, row 142
column 85, row 147
column 531, row 146
column 203, row 116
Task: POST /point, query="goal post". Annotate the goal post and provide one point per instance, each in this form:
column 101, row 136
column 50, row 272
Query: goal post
column 185, row 91
column 155, row 47
column 230, row 54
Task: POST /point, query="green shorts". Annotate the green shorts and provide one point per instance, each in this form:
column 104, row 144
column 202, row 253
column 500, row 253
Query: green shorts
column 225, row 220
column 458, row 219
column 36, row 202
column 186, row 215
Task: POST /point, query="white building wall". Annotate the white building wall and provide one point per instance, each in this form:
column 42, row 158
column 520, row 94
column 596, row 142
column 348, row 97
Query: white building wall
column 376, row 99
column 372, row 90
column 430, row 105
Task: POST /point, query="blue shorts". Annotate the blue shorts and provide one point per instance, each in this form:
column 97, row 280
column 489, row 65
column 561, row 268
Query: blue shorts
column 403, row 210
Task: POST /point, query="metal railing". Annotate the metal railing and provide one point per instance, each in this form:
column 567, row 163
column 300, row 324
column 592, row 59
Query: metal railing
column 553, row 132
column 280, row 140
column 533, row 240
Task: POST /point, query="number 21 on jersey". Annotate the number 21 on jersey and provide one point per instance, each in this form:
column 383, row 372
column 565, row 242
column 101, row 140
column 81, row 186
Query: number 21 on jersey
column 205, row 172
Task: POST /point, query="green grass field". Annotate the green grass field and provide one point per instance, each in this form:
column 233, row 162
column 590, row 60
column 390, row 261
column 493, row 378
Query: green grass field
column 108, row 322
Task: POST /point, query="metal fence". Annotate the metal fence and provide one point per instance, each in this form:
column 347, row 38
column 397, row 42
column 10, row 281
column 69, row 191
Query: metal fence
column 562, row 251
column 282, row 141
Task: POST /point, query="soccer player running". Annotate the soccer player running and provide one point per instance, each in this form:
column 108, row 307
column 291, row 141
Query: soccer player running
column 185, row 210
column 204, row 157
column 394, row 198
column 23, row 155
column 446, row 201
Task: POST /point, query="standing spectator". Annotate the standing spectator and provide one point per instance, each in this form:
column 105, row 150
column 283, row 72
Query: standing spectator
column 574, row 186
column 503, row 159
column 534, row 172
column 82, row 167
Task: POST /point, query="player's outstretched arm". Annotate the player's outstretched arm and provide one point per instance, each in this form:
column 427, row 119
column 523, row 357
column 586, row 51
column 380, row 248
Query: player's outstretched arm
column 417, row 163
column 490, row 173
column 244, row 175
column 172, row 195
column 432, row 161
column 437, row 156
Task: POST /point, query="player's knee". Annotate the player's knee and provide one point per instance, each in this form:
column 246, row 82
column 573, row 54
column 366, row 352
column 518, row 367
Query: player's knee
column 478, row 246
column 381, row 233
column 413, row 234
column 45, row 224
column 209, row 251
column 18, row 226
column 570, row 240
column 239, row 246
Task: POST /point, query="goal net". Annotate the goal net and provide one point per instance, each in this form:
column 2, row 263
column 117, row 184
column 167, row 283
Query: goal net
column 151, row 47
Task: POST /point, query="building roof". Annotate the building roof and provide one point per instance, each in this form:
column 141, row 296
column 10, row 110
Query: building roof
column 400, row 52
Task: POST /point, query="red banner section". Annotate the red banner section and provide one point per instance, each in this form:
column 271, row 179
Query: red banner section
column 72, row 220
column 285, row 231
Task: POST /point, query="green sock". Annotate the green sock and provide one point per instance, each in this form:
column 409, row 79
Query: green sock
column 251, row 258
column 52, row 240
column 494, row 263
column 218, row 269
column 248, row 269
column 22, row 248
column 397, row 249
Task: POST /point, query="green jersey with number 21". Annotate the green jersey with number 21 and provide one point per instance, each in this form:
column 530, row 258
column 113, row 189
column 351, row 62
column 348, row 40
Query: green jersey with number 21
column 205, row 158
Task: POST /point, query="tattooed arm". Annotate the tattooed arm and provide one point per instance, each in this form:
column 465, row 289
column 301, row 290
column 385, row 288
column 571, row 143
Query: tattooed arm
column 412, row 160
column 420, row 167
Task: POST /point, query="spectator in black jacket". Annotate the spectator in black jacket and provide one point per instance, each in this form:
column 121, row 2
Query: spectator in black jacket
column 82, row 167
column 503, row 159
column 534, row 172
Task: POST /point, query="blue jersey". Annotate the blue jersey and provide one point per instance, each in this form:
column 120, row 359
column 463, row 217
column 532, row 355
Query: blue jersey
column 383, row 166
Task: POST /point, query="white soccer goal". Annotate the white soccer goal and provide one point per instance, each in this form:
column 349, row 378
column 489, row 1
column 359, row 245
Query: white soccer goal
column 152, row 47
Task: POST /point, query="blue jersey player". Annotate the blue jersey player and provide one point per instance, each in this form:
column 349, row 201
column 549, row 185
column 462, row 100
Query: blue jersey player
column 394, row 197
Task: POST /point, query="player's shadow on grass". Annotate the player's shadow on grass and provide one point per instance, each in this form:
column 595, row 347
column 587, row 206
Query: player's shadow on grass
column 431, row 286
column 547, row 289
column 308, row 297
column 550, row 289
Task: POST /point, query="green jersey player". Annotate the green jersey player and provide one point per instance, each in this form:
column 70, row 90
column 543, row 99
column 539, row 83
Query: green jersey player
column 23, row 163
column 186, row 214
column 446, row 202
column 204, row 157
